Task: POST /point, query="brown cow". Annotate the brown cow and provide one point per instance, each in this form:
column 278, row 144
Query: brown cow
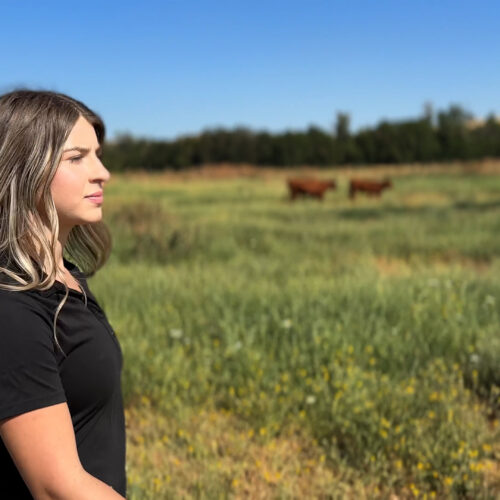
column 309, row 187
column 372, row 188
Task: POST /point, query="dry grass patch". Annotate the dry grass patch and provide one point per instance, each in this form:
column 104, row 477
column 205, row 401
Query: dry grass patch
column 394, row 266
column 416, row 200
column 214, row 455
column 443, row 263
column 235, row 171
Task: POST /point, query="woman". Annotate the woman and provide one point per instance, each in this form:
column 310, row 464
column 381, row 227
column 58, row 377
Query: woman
column 62, row 424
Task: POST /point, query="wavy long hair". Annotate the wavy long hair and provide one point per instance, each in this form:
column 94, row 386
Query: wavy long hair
column 34, row 125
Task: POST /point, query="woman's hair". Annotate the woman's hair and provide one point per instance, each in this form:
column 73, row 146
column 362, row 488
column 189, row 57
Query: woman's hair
column 34, row 126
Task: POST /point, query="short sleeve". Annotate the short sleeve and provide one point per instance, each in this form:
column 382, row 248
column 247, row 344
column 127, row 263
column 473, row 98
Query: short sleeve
column 29, row 375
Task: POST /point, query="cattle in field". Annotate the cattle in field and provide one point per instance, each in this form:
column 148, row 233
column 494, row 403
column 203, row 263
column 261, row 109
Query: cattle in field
column 313, row 188
column 370, row 187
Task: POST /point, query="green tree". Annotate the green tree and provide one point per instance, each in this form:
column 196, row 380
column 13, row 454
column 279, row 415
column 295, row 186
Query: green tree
column 453, row 135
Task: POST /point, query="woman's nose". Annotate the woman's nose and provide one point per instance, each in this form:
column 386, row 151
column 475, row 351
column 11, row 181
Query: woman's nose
column 100, row 172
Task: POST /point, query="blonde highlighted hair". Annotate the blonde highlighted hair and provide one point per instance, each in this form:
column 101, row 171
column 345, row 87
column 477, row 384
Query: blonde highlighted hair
column 34, row 125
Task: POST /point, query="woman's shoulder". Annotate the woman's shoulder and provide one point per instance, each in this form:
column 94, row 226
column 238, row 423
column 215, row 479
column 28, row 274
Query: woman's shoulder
column 20, row 308
column 25, row 328
column 15, row 298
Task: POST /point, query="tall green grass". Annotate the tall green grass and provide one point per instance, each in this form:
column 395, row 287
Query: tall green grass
column 372, row 324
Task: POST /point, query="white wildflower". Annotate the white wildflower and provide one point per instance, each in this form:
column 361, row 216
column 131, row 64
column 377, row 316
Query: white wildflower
column 176, row 333
column 489, row 300
column 310, row 400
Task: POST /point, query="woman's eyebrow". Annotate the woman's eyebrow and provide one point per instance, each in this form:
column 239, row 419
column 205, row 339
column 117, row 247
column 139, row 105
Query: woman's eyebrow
column 82, row 150
column 76, row 148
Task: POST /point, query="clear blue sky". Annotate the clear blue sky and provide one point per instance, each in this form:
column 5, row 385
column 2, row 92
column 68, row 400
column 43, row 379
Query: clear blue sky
column 166, row 68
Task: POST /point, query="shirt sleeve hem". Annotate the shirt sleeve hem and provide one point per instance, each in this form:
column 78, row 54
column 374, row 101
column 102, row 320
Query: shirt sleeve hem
column 32, row 404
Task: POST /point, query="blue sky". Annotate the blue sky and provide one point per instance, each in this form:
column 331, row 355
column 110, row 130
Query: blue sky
column 167, row 68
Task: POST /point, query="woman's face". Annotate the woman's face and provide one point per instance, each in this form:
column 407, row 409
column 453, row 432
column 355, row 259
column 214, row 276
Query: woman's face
column 77, row 187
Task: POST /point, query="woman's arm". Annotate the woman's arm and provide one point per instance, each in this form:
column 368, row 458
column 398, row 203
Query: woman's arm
column 43, row 447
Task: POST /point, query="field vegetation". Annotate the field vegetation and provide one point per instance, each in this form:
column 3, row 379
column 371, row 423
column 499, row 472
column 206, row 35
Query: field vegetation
column 308, row 350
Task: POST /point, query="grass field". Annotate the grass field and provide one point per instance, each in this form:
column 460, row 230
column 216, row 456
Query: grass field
column 309, row 350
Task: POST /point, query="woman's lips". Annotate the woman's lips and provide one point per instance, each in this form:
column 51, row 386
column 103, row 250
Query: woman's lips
column 96, row 199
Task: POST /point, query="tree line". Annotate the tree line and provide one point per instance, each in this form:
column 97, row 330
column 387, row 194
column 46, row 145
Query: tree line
column 450, row 134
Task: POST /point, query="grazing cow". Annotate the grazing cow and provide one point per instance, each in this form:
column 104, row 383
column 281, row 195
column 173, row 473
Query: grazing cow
column 309, row 187
column 372, row 188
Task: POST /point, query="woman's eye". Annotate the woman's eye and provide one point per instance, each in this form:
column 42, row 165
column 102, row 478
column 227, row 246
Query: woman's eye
column 75, row 159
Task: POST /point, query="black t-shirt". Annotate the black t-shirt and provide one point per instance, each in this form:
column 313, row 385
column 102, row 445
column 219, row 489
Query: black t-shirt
column 35, row 374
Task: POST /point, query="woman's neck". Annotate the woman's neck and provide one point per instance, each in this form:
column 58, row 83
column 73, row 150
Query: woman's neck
column 59, row 254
